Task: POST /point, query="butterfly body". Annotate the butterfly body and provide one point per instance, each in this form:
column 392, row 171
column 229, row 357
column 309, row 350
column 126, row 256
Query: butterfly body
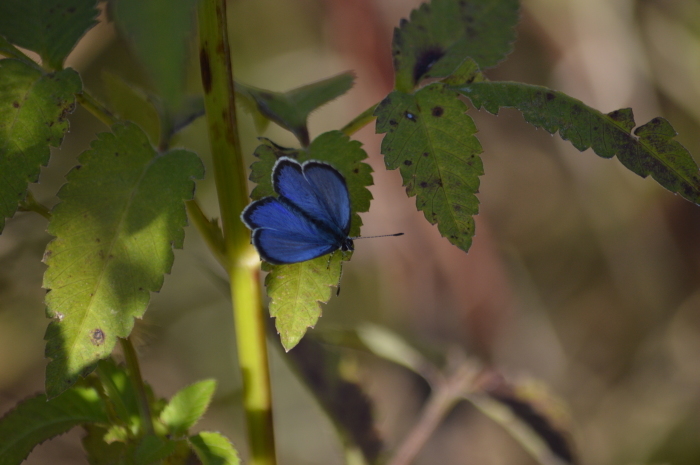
column 310, row 216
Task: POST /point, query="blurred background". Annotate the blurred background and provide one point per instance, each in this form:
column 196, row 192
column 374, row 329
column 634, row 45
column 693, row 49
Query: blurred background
column 582, row 276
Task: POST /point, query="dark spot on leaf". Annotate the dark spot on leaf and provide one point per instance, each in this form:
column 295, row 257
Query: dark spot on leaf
column 423, row 184
column 140, row 289
column 77, row 167
column 393, row 122
column 15, row 104
column 116, row 154
column 356, row 170
column 403, row 22
column 205, row 68
column 407, row 162
column 426, row 154
column 438, row 111
column 71, row 9
column 97, row 337
column 111, row 256
column 551, row 96
column 425, row 60
column 410, row 116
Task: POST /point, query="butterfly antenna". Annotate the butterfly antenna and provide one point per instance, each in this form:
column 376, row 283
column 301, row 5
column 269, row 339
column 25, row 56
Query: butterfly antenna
column 374, row 237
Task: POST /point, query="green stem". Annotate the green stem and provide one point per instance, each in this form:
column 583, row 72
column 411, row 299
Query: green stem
column 29, row 204
column 132, row 366
column 243, row 264
column 209, row 230
column 96, row 108
column 360, row 121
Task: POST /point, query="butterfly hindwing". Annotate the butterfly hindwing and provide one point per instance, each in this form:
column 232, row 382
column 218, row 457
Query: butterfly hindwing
column 317, row 189
column 332, row 191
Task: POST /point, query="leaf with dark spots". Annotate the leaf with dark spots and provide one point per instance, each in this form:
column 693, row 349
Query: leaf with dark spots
column 135, row 204
column 33, row 109
column 653, row 152
column 291, row 109
column 443, row 33
column 436, row 156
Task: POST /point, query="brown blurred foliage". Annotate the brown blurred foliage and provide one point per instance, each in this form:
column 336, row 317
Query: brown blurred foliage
column 582, row 275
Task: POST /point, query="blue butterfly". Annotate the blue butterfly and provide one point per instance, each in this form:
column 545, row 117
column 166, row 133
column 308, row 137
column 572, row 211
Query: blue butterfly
column 309, row 217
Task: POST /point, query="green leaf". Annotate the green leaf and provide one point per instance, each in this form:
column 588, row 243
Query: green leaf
column 49, row 27
column 101, row 452
column 160, row 32
column 120, row 215
column 153, row 449
column 132, row 104
column 651, row 150
column 214, row 449
column 297, row 289
column 33, row 117
column 187, row 407
column 431, row 139
column 122, row 398
column 35, row 420
column 443, row 33
column 291, row 109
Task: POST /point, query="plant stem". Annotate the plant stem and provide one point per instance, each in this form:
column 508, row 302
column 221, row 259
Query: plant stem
column 360, row 121
column 30, row 204
column 132, row 365
column 243, row 264
column 445, row 395
column 209, row 230
column 96, row 108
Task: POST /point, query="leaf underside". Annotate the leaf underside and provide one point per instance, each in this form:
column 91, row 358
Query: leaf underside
column 431, row 140
column 34, row 108
column 443, row 33
column 649, row 150
column 291, row 109
column 160, row 33
column 49, row 27
column 297, row 289
column 121, row 213
column 36, row 420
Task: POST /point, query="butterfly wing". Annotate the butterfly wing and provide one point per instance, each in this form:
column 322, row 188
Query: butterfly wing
column 283, row 234
column 317, row 189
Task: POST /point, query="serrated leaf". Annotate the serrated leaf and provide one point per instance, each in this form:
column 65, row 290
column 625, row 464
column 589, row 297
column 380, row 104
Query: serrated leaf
column 652, row 152
column 132, row 104
column 291, row 109
column 120, row 215
column 35, row 420
column 160, row 32
column 214, row 449
column 431, row 139
column 34, row 108
column 49, row 27
column 187, row 407
column 297, row 289
column 443, row 33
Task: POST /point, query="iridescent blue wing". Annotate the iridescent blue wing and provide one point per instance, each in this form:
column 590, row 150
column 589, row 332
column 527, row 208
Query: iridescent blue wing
column 283, row 234
column 332, row 191
column 317, row 189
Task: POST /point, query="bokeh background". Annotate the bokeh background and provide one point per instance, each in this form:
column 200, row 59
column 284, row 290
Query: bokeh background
column 582, row 276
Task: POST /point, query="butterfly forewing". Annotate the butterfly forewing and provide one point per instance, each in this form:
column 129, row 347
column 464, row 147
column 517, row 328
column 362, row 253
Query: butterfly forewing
column 283, row 234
